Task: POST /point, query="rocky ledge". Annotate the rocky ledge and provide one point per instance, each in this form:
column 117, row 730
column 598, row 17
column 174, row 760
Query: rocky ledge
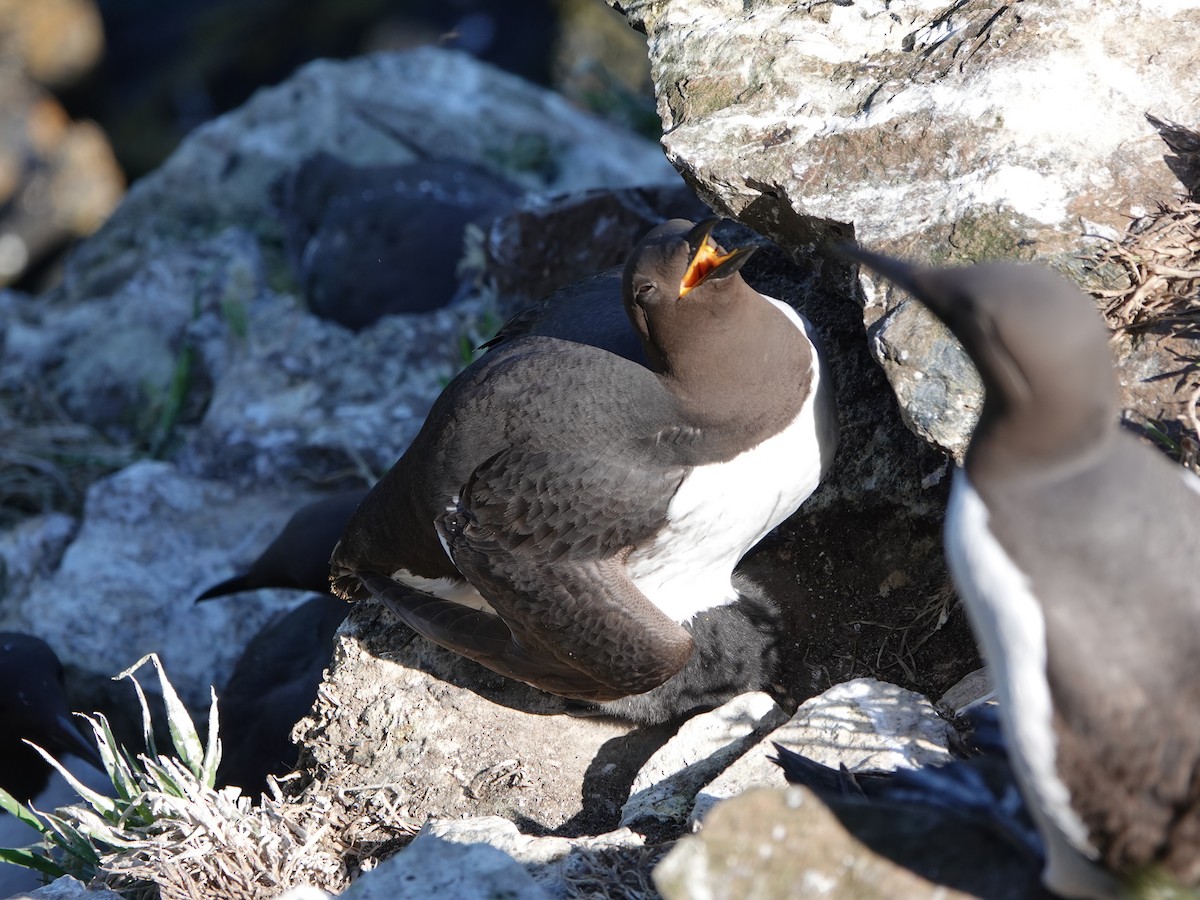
column 194, row 353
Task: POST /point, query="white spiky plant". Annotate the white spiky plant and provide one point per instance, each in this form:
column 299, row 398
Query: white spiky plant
column 167, row 830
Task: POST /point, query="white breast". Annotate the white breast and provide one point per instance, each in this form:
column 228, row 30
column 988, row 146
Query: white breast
column 1011, row 629
column 1191, row 481
column 722, row 510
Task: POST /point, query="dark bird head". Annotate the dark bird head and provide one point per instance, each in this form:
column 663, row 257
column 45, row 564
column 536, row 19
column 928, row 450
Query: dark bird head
column 678, row 283
column 298, row 558
column 33, row 707
column 1041, row 349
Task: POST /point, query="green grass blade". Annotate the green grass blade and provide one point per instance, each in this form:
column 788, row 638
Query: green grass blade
column 31, row 859
column 96, row 830
column 212, row 755
column 97, row 801
column 163, row 779
column 147, row 722
column 19, row 811
column 71, row 841
column 116, row 764
column 179, row 721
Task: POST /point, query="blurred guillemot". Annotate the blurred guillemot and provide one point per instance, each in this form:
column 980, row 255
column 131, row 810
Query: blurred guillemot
column 1075, row 549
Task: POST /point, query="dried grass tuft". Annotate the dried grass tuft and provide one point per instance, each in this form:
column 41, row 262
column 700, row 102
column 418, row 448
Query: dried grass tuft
column 213, row 843
column 1156, row 269
column 1158, row 261
column 617, row 873
column 48, row 461
column 168, row 832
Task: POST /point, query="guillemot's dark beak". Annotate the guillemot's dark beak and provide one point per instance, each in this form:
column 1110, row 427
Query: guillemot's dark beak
column 897, row 271
column 707, row 262
column 937, row 289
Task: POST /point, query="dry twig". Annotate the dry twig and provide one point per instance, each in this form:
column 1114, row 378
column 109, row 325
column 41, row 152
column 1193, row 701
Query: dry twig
column 1160, row 258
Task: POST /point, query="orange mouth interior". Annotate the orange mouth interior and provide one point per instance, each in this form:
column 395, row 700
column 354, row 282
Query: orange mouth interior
column 706, row 259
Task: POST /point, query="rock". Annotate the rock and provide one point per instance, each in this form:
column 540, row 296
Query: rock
column 970, row 690
column 785, row 843
column 925, row 127
column 195, row 354
column 369, row 241
column 919, row 129
column 449, row 739
column 31, row 549
column 150, row 538
column 556, row 864
column 225, row 173
column 865, row 725
column 192, row 271
column 545, row 243
column 938, row 389
column 113, row 362
column 868, row 725
column 666, row 785
column 68, row 888
column 433, row 867
column 54, row 41
column 600, row 63
column 58, row 178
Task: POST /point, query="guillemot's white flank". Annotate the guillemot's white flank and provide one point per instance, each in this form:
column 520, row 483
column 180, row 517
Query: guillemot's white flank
column 1008, row 621
column 1191, row 481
